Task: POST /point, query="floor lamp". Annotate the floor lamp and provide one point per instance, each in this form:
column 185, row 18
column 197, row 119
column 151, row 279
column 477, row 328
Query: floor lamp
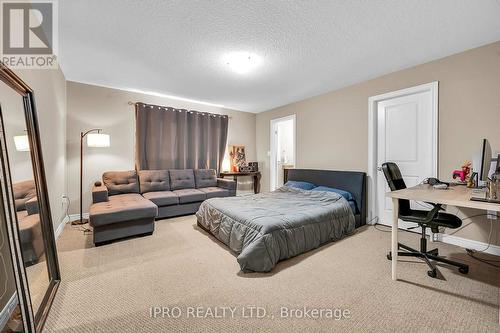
column 96, row 140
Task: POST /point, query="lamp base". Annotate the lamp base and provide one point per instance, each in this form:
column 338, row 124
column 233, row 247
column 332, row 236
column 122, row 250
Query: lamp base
column 80, row 221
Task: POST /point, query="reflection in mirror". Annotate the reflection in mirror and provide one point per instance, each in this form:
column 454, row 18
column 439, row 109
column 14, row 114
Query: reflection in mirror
column 25, row 195
column 10, row 314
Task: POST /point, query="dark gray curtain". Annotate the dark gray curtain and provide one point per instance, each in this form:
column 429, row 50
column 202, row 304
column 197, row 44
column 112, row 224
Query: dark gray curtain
column 168, row 138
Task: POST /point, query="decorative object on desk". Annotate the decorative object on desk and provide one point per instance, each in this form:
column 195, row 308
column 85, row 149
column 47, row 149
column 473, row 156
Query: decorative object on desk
column 251, row 167
column 96, row 140
column 245, row 168
column 254, row 166
column 237, row 156
column 467, row 168
column 494, row 186
column 472, row 182
column 459, row 174
column 464, row 172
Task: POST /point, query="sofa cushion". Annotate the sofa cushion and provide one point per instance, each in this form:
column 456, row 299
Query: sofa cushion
column 29, row 227
column 99, row 193
column 32, row 206
column 190, row 195
column 181, row 179
column 154, row 180
column 23, row 191
column 120, row 208
column 215, row 192
column 162, row 198
column 205, row 178
column 227, row 184
column 121, row 182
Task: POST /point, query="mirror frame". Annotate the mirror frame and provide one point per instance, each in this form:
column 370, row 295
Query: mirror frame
column 32, row 323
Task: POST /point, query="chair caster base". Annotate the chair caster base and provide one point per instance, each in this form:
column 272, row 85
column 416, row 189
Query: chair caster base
column 432, row 273
column 434, row 252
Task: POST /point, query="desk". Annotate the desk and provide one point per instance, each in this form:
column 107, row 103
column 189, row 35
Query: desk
column 255, row 176
column 458, row 196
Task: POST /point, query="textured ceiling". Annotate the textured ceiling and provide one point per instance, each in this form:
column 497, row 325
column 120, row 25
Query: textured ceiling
column 308, row 47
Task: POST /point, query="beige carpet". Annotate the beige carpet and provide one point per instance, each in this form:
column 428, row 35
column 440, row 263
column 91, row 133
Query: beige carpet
column 111, row 288
column 38, row 281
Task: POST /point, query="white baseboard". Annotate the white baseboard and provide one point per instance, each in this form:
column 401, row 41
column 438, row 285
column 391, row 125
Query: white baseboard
column 462, row 242
column 76, row 217
column 467, row 243
column 66, row 220
column 60, row 228
column 6, row 312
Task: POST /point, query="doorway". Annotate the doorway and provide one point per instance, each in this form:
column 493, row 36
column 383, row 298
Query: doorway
column 283, row 148
column 403, row 128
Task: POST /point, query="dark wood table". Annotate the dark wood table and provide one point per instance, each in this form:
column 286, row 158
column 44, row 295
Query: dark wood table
column 255, row 175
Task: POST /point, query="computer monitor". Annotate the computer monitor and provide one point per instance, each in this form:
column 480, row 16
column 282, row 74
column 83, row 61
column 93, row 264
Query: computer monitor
column 485, row 161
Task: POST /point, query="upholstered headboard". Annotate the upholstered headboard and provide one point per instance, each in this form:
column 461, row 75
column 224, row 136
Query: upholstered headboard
column 351, row 181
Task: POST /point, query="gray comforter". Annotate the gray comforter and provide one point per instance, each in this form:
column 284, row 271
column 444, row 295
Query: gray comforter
column 268, row 227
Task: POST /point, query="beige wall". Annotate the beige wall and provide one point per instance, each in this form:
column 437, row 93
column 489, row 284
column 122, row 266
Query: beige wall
column 50, row 97
column 332, row 129
column 91, row 106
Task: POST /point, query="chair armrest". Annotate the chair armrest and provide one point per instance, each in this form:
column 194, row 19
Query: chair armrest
column 32, row 206
column 99, row 193
column 432, row 213
column 226, row 184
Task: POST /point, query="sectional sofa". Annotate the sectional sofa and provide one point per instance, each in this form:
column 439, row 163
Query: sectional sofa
column 127, row 203
column 30, row 228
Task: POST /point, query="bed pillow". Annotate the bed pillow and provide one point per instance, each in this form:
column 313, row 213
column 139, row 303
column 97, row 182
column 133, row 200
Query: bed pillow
column 300, row 185
column 347, row 195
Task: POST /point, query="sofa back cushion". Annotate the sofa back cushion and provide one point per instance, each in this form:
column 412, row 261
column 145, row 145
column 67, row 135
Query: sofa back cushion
column 181, row 179
column 121, row 182
column 23, row 191
column 154, row 180
column 205, row 178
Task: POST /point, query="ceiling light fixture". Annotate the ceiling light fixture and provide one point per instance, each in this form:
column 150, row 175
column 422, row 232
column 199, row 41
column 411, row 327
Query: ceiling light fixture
column 242, row 62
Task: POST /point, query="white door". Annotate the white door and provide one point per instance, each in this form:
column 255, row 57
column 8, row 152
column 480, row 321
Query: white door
column 406, row 135
column 282, row 149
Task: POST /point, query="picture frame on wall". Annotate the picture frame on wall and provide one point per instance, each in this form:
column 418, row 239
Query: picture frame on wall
column 237, row 156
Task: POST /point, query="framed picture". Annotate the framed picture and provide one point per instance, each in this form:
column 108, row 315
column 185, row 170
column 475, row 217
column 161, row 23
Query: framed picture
column 237, row 156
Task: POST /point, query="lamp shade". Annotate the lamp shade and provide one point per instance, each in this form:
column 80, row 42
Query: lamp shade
column 97, row 140
column 22, row 143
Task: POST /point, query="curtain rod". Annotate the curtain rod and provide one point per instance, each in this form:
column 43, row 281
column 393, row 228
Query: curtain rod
column 135, row 103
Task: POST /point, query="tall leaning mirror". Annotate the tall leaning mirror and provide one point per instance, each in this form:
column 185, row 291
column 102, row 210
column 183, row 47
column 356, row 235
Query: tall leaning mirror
column 25, row 212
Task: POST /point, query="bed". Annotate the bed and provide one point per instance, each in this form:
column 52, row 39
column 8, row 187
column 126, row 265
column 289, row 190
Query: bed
column 265, row 228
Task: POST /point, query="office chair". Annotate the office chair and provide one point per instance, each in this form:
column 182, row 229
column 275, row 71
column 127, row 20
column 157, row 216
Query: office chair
column 425, row 219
